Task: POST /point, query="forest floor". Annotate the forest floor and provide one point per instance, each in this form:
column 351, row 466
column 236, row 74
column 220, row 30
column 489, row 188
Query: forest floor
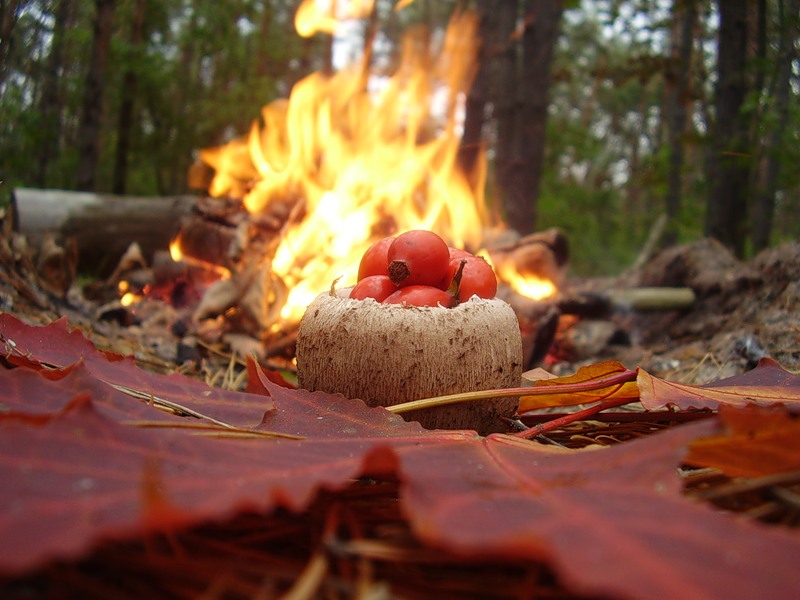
column 743, row 311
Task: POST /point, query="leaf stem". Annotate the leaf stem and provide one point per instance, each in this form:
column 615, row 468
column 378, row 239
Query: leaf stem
column 544, row 390
column 559, row 422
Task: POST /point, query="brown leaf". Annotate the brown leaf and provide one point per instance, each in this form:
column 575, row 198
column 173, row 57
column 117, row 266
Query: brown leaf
column 756, row 442
column 585, row 375
column 767, row 384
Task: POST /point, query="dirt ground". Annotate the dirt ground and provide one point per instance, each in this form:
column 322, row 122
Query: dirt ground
column 742, row 312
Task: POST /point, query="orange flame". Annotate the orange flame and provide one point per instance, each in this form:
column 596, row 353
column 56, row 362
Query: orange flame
column 368, row 156
column 525, row 284
column 324, row 16
column 529, row 286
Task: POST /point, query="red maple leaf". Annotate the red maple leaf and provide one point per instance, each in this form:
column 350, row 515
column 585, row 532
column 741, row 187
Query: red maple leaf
column 610, row 521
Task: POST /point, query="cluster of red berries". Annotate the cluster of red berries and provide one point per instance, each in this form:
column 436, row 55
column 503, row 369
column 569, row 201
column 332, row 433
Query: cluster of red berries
column 418, row 268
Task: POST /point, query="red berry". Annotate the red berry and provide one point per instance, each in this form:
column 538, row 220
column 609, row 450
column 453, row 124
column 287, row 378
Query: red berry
column 373, row 286
column 459, row 253
column 421, row 295
column 418, row 257
column 375, row 261
column 477, row 278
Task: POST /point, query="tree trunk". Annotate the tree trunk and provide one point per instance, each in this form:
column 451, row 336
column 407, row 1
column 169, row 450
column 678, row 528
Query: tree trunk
column 542, row 18
column 128, row 95
column 685, row 17
column 764, row 208
column 50, row 104
column 90, row 128
column 9, row 15
column 501, row 60
column 726, row 212
column 472, row 140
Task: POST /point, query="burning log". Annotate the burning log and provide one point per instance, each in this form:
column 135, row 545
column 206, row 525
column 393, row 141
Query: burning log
column 543, row 256
column 103, row 225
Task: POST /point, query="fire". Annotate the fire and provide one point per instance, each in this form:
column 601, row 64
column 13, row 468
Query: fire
column 365, row 155
column 525, row 284
column 127, row 296
column 529, row 286
column 315, row 16
column 175, row 251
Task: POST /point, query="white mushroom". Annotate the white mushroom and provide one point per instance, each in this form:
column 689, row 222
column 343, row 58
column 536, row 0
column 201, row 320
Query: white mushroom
column 390, row 354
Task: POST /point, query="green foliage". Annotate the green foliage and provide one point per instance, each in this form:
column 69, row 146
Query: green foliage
column 206, row 67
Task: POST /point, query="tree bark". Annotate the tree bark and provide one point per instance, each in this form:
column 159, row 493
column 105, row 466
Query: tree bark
column 764, row 209
column 9, row 15
column 685, row 17
column 726, row 210
column 542, row 18
column 50, row 105
column 128, row 95
column 90, row 128
column 513, row 80
column 472, row 140
column 501, row 60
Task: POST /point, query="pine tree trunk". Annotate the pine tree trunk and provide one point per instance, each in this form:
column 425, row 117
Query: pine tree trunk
column 128, row 95
column 472, row 140
column 90, row 128
column 726, row 210
column 764, row 209
column 502, row 62
column 542, row 18
column 685, row 16
column 50, row 105
column 9, row 15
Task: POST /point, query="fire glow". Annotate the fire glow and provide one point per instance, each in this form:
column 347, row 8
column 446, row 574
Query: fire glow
column 365, row 156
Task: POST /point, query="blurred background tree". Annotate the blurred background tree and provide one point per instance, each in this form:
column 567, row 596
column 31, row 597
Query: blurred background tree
column 598, row 117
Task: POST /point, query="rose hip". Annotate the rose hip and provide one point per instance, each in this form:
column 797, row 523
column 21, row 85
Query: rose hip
column 421, row 295
column 378, row 287
column 375, row 261
column 418, row 257
column 477, row 278
column 459, row 253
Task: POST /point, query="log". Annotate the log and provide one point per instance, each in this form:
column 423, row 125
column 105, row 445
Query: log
column 653, row 298
column 103, row 225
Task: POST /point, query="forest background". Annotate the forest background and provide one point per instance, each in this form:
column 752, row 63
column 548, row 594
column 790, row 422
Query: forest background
column 598, row 117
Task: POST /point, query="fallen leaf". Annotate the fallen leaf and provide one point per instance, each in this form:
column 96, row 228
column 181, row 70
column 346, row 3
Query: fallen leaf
column 585, row 375
column 55, row 346
column 611, row 522
column 80, row 478
column 756, row 442
column 768, row 383
column 254, row 373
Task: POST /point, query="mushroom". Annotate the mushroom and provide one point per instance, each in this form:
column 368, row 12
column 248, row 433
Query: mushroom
column 391, row 354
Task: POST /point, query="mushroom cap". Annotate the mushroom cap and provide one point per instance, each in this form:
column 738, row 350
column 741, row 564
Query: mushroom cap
column 391, row 354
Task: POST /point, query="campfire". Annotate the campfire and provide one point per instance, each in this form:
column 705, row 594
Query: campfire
column 348, row 159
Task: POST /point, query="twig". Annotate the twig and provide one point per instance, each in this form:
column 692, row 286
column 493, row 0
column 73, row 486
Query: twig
column 168, row 405
column 215, row 430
